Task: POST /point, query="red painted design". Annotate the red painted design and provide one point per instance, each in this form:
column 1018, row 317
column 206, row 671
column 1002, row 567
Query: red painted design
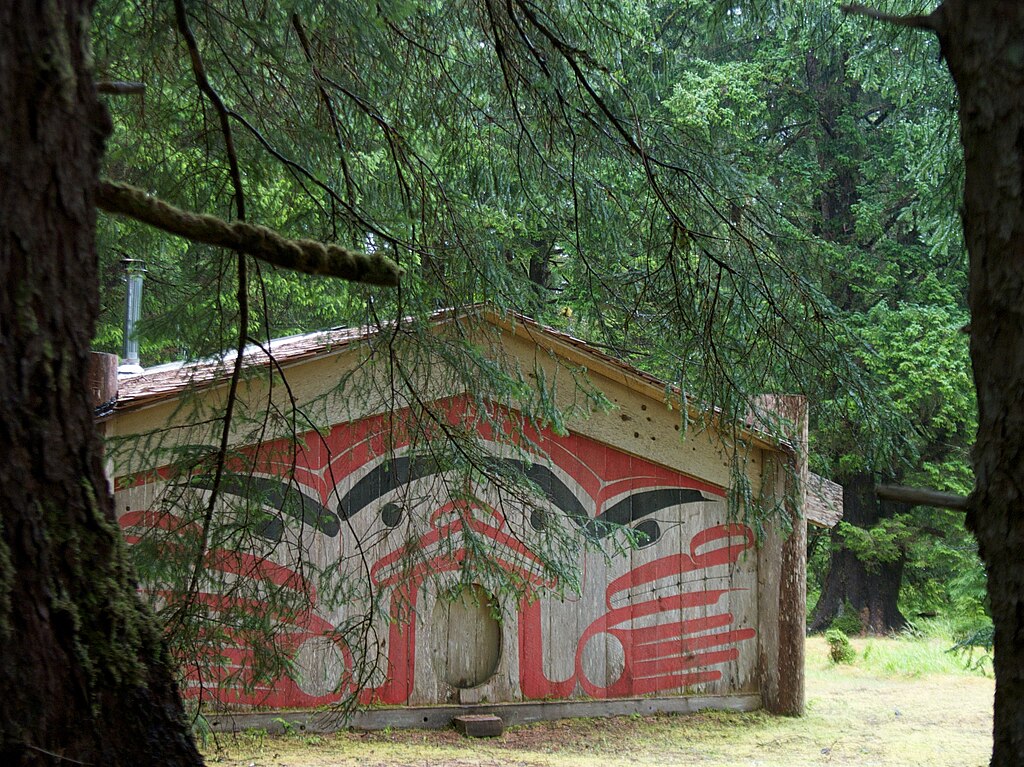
column 663, row 656
column 671, row 628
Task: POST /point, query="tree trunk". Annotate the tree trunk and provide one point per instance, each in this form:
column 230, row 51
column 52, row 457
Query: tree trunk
column 83, row 676
column 983, row 44
column 541, row 251
column 872, row 592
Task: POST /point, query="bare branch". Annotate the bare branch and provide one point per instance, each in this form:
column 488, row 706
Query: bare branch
column 203, row 82
column 307, row 256
column 921, row 497
column 121, row 88
column 931, row 22
column 328, row 103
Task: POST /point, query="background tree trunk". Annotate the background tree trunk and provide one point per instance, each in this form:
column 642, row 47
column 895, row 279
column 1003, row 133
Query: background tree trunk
column 872, row 592
column 83, row 676
column 982, row 44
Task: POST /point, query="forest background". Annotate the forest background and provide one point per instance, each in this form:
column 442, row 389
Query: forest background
column 736, row 197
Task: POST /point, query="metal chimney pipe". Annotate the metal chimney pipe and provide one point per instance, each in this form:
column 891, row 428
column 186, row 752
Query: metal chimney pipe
column 134, row 270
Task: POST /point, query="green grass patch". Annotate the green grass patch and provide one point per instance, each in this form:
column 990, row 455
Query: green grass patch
column 925, row 648
column 912, row 657
column 903, row 701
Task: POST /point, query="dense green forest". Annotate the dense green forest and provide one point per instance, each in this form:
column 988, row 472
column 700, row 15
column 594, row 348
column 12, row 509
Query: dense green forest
column 737, row 197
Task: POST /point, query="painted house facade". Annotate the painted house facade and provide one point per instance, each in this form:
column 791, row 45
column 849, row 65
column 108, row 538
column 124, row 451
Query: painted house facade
column 698, row 609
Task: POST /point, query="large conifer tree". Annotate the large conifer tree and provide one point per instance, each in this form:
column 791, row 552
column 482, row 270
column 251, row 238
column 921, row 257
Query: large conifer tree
column 83, row 676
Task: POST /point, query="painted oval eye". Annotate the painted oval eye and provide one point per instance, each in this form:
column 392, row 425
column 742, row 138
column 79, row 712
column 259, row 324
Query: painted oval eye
column 538, row 519
column 391, row 514
column 647, row 533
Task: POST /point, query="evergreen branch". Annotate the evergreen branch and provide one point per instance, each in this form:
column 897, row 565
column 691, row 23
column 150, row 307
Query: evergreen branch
column 931, row 21
column 576, row 58
column 328, row 103
column 203, row 83
column 922, row 497
column 308, row 256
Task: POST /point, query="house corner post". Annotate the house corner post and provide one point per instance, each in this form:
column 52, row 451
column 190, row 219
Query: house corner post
column 782, row 567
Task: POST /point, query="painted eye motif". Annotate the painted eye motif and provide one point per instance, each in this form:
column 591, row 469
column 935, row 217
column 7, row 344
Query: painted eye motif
column 647, row 533
column 285, row 497
column 538, row 519
column 391, row 514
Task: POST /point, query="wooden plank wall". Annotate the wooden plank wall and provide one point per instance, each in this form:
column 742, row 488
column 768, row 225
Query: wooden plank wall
column 679, row 614
column 696, row 611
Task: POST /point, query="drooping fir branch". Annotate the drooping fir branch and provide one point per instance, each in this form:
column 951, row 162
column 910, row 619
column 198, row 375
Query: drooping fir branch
column 242, row 291
column 308, row 256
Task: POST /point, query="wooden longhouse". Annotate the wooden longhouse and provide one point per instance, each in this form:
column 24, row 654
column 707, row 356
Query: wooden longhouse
column 702, row 613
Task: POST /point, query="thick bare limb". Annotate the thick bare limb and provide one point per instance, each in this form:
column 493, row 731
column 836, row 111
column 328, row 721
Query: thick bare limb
column 307, row 256
column 922, row 497
column 120, row 88
column 931, row 21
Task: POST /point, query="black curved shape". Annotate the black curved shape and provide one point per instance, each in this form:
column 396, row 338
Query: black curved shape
column 635, row 507
column 648, row 532
column 627, row 511
column 402, row 470
column 286, row 497
column 386, row 477
column 553, row 488
column 391, row 515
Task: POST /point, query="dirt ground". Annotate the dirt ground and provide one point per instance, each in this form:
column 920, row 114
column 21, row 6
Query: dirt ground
column 854, row 717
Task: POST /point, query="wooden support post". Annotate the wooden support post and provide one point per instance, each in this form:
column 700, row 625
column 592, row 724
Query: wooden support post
column 102, row 379
column 782, row 568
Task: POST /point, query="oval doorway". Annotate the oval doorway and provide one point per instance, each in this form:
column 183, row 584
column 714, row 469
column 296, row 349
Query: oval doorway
column 466, row 637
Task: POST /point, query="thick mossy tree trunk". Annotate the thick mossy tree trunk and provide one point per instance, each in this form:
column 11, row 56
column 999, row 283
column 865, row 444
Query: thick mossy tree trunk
column 983, row 44
column 83, row 676
column 871, row 591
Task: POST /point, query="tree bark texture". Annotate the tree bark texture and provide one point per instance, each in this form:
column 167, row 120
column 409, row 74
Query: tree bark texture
column 872, row 592
column 84, row 678
column 983, row 44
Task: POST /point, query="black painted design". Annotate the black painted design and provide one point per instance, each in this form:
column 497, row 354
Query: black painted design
column 399, row 471
column 635, row 507
column 648, row 532
column 286, row 497
column 391, row 514
column 289, row 500
column 384, row 478
column 553, row 488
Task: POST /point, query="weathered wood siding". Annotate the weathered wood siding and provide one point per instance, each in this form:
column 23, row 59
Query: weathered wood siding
column 688, row 612
column 823, row 505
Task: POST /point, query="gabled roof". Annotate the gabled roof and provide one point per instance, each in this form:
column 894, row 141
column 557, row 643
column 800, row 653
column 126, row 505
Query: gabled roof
column 164, row 382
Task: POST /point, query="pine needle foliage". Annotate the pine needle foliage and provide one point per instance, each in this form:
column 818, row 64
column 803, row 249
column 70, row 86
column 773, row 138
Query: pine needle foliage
column 640, row 174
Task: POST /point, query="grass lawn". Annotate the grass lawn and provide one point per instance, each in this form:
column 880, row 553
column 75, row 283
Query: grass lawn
column 902, row 702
